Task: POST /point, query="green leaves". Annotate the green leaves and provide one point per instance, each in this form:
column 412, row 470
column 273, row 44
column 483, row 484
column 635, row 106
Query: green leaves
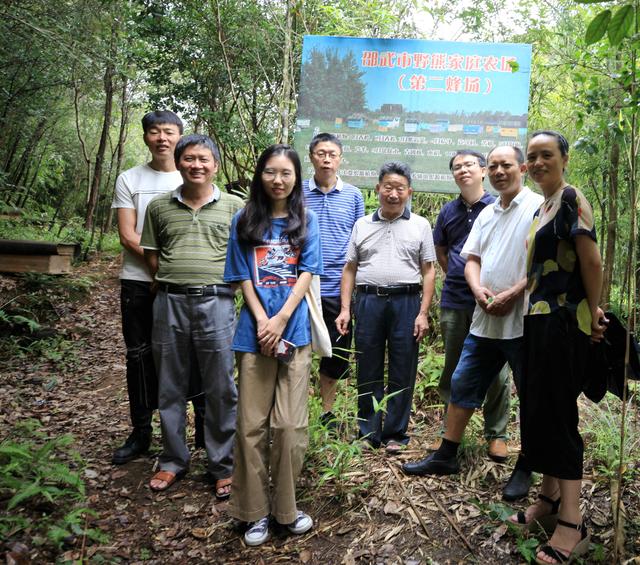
column 616, row 25
column 598, row 27
column 621, row 23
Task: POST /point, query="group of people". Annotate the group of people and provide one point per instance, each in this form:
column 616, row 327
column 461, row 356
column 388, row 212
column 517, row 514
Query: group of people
column 522, row 285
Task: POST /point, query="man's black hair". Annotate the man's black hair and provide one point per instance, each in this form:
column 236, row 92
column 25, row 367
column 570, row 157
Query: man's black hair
column 481, row 160
column 324, row 137
column 157, row 117
column 195, row 139
column 395, row 168
column 516, row 150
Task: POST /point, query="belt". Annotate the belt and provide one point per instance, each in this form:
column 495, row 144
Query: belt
column 387, row 290
column 198, row 290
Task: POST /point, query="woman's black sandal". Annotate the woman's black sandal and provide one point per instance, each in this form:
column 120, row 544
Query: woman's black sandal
column 559, row 555
column 547, row 522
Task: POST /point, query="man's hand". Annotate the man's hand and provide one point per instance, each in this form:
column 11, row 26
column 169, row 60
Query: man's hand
column 502, row 303
column 342, row 322
column 484, row 297
column 420, row 326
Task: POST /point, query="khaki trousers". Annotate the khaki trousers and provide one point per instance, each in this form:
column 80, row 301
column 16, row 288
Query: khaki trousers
column 272, row 395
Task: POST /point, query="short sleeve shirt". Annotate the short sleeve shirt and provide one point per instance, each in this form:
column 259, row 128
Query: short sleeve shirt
column 389, row 252
column 453, row 226
column 135, row 188
column 192, row 244
column 553, row 268
column 337, row 211
column 498, row 239
column 273, row 268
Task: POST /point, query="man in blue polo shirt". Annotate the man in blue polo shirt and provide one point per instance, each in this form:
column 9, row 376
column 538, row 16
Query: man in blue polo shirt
column 457, row 303
column 338, row 205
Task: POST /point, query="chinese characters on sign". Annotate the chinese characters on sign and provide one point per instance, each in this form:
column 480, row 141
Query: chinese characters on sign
column 411, row 100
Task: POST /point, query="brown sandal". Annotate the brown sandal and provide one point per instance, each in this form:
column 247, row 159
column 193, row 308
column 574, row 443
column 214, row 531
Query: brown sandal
column 223, row 488
column 167, row 477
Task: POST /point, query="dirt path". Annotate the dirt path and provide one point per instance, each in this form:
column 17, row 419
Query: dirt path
column 382, row 517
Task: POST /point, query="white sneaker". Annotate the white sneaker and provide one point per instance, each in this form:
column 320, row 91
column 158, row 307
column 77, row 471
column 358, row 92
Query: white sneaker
column 257, row 532
column 303, row 523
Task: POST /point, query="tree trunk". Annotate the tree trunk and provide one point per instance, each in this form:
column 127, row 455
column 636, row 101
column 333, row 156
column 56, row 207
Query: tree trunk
column 612, row 219
column 97, row 169
column 122, row 139
column 286, row 76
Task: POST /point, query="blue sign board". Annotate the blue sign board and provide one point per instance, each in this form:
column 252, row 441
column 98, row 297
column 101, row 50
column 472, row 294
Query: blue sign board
column 411, row 100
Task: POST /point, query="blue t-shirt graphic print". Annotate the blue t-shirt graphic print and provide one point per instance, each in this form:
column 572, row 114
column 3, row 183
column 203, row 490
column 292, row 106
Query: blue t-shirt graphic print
column 273, row 268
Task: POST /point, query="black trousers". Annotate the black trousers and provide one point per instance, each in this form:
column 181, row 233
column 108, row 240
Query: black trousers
column 136, row 304
column 552, row 379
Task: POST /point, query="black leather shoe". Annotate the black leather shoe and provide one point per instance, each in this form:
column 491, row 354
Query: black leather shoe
column 136, row 444
column 517, row 486
column 433, row 464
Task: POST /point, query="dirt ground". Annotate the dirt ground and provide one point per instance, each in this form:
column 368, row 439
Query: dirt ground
column 380, row 517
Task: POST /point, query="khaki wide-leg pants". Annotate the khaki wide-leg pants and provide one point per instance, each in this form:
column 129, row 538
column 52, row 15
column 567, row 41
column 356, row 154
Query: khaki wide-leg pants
column 271, row 394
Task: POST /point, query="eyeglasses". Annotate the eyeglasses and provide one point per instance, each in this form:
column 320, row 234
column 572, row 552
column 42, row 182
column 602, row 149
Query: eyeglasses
column 466, row 165
column 271, row 174
column 331, row 155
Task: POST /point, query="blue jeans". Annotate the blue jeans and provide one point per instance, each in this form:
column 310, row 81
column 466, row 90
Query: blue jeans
column 385, row 322
column 480, row 362
column 454, row 325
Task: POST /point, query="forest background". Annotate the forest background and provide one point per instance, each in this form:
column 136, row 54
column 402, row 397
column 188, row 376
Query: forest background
column 76, row 76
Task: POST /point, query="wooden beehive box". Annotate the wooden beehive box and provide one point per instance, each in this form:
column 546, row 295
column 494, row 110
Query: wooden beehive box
column 22, row 256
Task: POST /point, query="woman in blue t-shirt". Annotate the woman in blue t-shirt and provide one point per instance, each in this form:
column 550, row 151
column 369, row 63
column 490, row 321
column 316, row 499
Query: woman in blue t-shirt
column 273, row 251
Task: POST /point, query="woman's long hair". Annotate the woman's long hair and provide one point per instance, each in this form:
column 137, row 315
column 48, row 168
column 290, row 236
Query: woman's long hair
column 254, row 224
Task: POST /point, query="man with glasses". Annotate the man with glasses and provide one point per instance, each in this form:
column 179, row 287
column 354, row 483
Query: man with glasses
column 390, row 264
column 338, row 206
column 457, row 301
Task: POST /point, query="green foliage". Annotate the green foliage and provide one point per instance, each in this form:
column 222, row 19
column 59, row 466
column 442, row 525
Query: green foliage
column 620, row 24
column 429, row 371
column 42, row 486
column 331, row 86
column 598, row 27
column 601, row 428
column 332, row 453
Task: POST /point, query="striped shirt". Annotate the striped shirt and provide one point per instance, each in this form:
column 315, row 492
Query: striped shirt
column 337, row 211
column 391, row 252
column 192, row 243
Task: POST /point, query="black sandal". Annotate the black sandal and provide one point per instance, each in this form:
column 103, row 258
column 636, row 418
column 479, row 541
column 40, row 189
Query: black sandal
column 547, row 522
column 559, row 555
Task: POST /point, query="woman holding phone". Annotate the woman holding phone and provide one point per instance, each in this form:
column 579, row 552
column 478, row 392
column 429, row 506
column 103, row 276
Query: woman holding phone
column 273, row 251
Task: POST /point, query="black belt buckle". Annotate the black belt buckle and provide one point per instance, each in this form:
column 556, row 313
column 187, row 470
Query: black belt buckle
column 195, row 290
column 385, row 292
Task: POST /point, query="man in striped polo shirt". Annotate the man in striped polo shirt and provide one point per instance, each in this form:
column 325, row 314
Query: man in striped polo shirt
column 390, row 261
column 185, row 241
column 338, row 206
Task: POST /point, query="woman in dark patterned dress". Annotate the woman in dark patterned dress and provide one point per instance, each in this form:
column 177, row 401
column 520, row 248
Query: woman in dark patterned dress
column 564, row 272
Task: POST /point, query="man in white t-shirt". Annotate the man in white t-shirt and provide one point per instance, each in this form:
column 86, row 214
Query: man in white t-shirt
column 134, row 189
column 496, row 274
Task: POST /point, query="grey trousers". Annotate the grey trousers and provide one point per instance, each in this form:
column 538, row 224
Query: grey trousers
column 188, row 329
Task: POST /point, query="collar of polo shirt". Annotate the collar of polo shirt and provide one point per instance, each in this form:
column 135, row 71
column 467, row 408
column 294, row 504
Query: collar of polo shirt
column 377, row 217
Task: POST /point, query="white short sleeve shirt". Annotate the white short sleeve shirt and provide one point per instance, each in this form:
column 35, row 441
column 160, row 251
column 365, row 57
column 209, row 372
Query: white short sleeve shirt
column 134, row 189
column 498, row 239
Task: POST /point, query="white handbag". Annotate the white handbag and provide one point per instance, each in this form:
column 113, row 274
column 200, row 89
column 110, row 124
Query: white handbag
column 320, row 339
